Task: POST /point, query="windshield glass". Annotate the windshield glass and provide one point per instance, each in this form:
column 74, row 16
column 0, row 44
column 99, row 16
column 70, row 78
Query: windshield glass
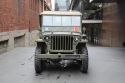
column 61, row 23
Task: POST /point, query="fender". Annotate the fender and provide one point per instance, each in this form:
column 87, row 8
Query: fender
column 82, row 43
column 40, row 43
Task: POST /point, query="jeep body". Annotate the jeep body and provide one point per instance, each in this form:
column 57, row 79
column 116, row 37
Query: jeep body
column 61, row 38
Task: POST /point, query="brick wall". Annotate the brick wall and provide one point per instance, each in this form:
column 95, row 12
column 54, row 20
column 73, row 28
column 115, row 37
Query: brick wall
column 112, row 31
column 19, row 21
column 19, row 14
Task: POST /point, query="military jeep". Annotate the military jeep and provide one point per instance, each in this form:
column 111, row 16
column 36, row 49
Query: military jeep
column 61, row 38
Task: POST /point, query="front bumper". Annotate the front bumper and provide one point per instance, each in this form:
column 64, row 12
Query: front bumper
column 61, row 56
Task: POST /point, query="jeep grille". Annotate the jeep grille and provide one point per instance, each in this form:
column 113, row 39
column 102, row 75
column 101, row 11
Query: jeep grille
column 61, row 43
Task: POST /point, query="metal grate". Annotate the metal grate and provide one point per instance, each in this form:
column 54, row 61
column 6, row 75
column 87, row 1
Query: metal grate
column 62, row 42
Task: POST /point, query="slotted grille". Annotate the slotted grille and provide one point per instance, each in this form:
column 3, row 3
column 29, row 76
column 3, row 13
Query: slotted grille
column 62, row 42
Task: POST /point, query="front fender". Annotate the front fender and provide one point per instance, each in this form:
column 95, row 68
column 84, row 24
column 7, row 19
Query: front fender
column 40, row 43
column 82, row 43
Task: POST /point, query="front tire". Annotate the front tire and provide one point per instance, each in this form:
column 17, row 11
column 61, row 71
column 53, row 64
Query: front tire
column 84, row 63
column 38, row 62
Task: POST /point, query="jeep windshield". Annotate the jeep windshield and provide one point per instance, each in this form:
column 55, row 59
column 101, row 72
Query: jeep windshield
column 61, row 23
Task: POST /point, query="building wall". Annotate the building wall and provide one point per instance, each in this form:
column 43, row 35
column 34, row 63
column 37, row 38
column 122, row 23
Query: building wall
column 49, row 3
column 19, row 21
column 19, row 14
column 62, row 5
column 112, row 30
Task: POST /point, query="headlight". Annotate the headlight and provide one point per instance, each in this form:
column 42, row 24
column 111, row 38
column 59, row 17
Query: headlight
column 46, row 38
column 76, row 39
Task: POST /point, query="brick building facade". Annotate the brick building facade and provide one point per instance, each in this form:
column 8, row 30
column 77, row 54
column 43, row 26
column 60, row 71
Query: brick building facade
column 112, row 30
column 112, row 27
column 19, row 20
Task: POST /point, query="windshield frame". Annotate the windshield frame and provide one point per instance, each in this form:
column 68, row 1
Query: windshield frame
column 79, row 26
column 60, row 16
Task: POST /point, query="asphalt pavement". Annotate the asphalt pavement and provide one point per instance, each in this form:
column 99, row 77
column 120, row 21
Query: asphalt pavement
column 106, row 65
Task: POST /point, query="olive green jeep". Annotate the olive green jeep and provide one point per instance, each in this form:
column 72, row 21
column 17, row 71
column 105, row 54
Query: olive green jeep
column 61, row 38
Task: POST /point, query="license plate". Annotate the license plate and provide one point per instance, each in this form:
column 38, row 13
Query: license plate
column 72, row 56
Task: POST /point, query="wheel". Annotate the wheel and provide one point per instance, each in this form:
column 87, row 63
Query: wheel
column 84, row 63
column 38, row 62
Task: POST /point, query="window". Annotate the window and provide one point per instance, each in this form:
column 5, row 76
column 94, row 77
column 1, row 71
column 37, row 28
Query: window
column 61, row 21
column 66, row 21
column 56, row 20
column 47, row 21
column 75, row 21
